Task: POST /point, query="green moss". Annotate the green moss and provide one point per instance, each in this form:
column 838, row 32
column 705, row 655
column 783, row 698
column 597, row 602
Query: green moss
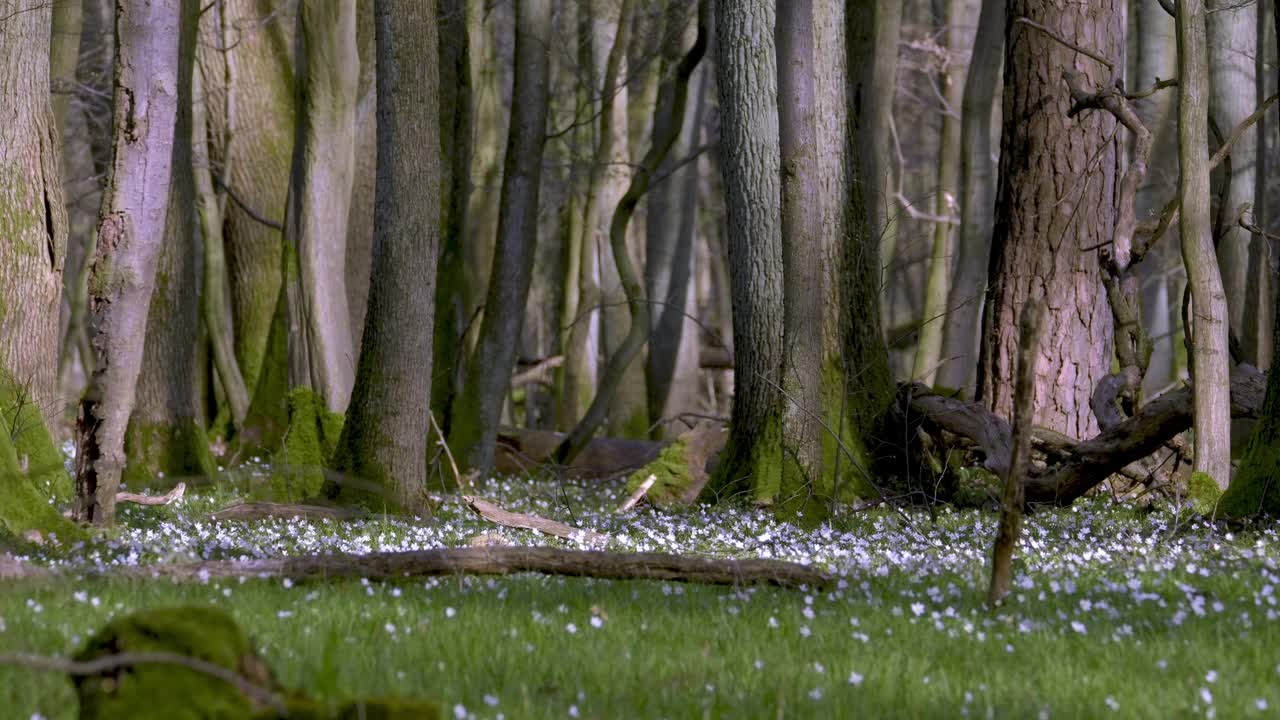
column 307, row 447
column 179, row 449
column 750, row 465
column 168, row 690
column 268, row 415
column 1203, row 492
column 1255, row 489
column 32, row 475
column 671, row 477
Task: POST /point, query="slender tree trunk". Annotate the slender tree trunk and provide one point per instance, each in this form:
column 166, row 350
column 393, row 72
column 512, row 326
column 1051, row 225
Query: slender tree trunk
column 455, row 147
column 946, row 198
column 359, row 254
column 165, row 435
column 490, row 35
column 746, row 73
column 130, row 234
column 488, row 374
column 1209, row 358
column 1232, row 44
column 1056, row 197
column 878, row 24
column 384, row 438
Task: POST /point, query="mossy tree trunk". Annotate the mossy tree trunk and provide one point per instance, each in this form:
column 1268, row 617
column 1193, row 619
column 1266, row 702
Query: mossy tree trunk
column 488, row 376
column 321, row 355
column 384, row 438
column 456, row 134
column 130, row 235
column 165, row 433
column 1209, row 328
column 1056, row 196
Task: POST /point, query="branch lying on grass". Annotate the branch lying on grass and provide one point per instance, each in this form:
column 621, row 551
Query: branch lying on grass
column 503, row 561
column 172, row 496
column 259, row 695
column 634, row 498
column 491, row 512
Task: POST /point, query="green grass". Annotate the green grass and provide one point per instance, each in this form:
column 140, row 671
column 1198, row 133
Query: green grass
column 1145, row 613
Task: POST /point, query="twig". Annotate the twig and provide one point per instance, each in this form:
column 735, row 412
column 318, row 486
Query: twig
column 259, row 695
column 491, row 512
column 639, row 493
column 172, row 496
column 457, row 477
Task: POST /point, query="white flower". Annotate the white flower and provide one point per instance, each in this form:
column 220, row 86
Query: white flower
column 759, row 664
column 1260, row 703
column 460, row 711
column 491, row 700
column 815, row 694
column 597, row 622
column 917, row 609
column 1211, row 676
column 450, row 612
column 1112, row 703
column 855, row 679
column 1206, row 696
column 571, row 628
column 1079, row 627
column 805, row 631
column 573, row 711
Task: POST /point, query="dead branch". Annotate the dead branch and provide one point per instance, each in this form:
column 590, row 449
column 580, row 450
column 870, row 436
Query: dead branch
column 540, row 374
column 491, row 512
column 504, row 561
column 634, row 498
column 172, row 496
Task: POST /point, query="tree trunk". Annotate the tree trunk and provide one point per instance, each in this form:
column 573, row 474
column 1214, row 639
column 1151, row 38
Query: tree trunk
column 670, row 377
column 359, row 254
column 1056, row 197
column 245, row 58
column 977, row 203
column 877, row 25
column 490, row 33
column 33, row 219
column 384, row 438
column 946, row 199
column 130, row 235
column 1209, row 331
column 165, row 435
column 456, row 133
column 489, row 369
column 746, row 73
column 321, row 353
column 1232, row 44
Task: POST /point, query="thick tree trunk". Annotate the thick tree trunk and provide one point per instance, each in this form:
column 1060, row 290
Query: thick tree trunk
column 746, row 72
column 321, row 353
column 1056, row 198
column 478, row 408
column 165, row 434
column 946, row 199
column 245, row 57
column 1209, row 329
column 130, row 235
column 384, row 438
column 33, row 219
column 1232, row 44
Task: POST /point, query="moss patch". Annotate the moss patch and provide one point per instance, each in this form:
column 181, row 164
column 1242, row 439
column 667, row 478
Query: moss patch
column 1203, row 492
column 307, row 447
column 32, row 475
column 177, row 449
column 1255, row 490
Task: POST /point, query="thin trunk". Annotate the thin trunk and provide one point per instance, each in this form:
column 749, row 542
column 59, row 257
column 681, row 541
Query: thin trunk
column 880, row 24
column 130, row 234
column 384, row 438
column 360, row 216
column 1209, row 331
column 320, row 349
column 477, row 410
column 1231, row 44
column 946, row 198
column 489, row 32
column 1056, row 196
column 165, row 435
column 977, row 203
column 746, row 73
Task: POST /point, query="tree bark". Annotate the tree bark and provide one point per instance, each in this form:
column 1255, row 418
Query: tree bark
column 1056, row 197
column 130, row 234
column 165, row 435
column 321, row 352
column 33, row 219
column 489, row 369
column 746, row 74
column 359, row 256
column 384, row 438
column 1231, row 44
column 1209, row 331
column 877, row 25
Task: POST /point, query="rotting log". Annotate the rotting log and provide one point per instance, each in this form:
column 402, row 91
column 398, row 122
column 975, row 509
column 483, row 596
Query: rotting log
column 1075, row 469
column 503, row 561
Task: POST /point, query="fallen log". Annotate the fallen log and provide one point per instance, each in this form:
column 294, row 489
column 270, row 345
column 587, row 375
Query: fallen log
column 502, row 561
column 1075, row 469
column 172, row 496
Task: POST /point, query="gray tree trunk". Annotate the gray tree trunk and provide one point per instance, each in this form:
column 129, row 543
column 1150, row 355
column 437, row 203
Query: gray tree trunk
column 360, row 215
column 1056, row 196
column 165, row 435
column 878, row 25
column 488, row 375
column 1209, row 359
column 130, row 235
column 321, row 353
column 384, row 438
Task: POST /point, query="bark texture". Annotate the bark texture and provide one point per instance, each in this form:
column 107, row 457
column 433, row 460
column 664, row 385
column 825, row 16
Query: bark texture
column 1209, row 323
column 321, row 353
column 33, row 219
column 488, row 373
column 384, row 438
column 1056, row 197
column 130, row 234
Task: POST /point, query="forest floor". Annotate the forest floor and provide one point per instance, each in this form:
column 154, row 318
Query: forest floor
column 1114, row 613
